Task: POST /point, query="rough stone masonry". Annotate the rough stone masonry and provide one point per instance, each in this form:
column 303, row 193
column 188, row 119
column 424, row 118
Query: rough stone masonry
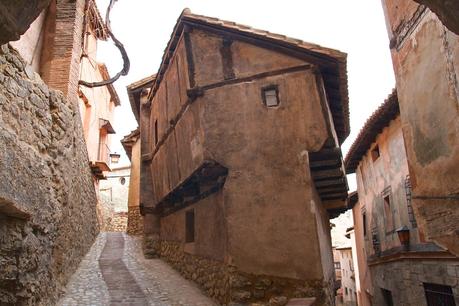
column 47, row 197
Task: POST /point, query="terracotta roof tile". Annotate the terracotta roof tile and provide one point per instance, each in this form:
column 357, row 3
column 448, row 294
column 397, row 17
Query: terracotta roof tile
column 134, row 90
column 374, row 125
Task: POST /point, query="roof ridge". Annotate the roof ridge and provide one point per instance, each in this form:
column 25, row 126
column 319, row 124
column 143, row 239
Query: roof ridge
column 246, row 28
column 383, row 115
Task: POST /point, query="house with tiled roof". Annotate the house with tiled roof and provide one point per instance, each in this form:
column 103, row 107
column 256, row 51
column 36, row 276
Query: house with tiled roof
column 241, row 165
column 395, row 260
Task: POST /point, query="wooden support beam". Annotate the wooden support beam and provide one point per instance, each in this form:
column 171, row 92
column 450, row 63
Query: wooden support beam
column 332, row 189
column 327, row 163
column 330, row 182
column 331, row 153
column 327, row 174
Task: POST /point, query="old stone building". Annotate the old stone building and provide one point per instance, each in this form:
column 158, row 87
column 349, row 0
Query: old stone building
column 426, row 59
column 131, row 144
column 241, row 161
column 397, row 264
column 347, row 294
column 114, row 193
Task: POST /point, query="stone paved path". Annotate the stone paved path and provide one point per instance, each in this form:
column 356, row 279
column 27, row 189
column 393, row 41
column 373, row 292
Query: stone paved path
column 114, row 272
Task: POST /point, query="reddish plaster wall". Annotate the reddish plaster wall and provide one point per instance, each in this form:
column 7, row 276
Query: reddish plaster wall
column 210, row 228
column 426, row 66
column 374, row 178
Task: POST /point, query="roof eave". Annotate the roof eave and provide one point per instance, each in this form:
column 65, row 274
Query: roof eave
column 381, row 118
column 334, row 58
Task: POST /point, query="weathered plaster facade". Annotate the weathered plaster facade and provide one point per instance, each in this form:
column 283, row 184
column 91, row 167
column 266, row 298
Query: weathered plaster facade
column 389, row 270
column 47, row 199
column 348, row 289
column 115, row 189
column 426, row 60
column 227, row 188
column 362, row 274
column 97, row 104
column 131, row 144
column 113, row 197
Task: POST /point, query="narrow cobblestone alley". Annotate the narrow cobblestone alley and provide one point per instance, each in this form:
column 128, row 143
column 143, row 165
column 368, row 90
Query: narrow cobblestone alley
column 114, row 272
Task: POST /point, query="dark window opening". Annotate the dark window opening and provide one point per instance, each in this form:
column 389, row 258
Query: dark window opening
column 389, row 220
column 270, row 96
column 387, row 296
column 156, row 132
column 337, row 265
column 375, row 153
column 189, row 225
column 345, row 290
column 364, row 223
column 438, row 295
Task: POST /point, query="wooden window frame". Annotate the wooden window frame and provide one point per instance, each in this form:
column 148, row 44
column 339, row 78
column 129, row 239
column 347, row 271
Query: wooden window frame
column 387, row 194
column 265, row 89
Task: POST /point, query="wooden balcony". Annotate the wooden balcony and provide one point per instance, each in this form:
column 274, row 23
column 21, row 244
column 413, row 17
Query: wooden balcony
column 329, row 177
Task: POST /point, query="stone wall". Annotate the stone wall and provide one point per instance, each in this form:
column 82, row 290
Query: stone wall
column 410, row 275
column 117, row 223
column 135, row 221
column 109, row 219
column 225, row 284
column 47, row 197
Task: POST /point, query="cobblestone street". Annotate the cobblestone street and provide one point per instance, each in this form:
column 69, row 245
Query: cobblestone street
column 114, row 272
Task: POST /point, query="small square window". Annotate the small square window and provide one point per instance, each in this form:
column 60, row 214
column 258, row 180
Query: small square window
column 389, row 218
column 364, row 223
column 270, row 96
column 375, row 153
column 189, row 226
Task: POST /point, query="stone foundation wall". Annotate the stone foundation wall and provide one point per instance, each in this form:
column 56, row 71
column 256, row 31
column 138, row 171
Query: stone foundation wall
column 117, row 222
column 225, row 284
column 47, row 197
column 135, row 221
column 410, row 275
column 210, row 275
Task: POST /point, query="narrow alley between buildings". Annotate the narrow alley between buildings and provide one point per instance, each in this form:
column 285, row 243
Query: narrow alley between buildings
column 115, row 272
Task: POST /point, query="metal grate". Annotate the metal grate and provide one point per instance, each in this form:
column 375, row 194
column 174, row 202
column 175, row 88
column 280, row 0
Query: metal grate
column 408, row 193
column 439, row 295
